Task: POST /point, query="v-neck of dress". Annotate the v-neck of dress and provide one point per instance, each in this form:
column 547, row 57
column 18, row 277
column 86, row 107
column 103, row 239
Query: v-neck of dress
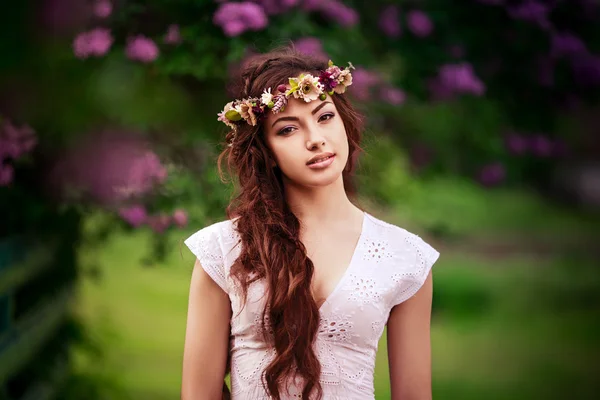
column 346, row 273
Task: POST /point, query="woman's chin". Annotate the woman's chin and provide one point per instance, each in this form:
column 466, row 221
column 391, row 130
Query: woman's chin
column 320, row 178
column 323, row 180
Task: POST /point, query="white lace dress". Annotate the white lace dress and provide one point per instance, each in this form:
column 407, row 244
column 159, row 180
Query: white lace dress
column 388, row 266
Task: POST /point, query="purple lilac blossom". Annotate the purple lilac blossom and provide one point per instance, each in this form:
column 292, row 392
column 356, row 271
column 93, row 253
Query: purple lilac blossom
column 586, row 69
column 389, row 21
column 134, row 215
column 310, row 46
column 96, row 43
column 541, row 146
column 311, row 5
column 516, row 143
column 103, row 8
column 566, row 44
column 159, row 223
column 332, row 9
column 419, row 23
column 173, row 36
column 237, row 18
column 141, row 48
column 6, row 174
column 531, row 11
column 109, row 168
column 273, row 7
column 492, row 174
column 461, row 78
column 15, row 142
column 180, row 218
column 392, row 95
column 438, row 91
column 363, row 82
column 339, row 12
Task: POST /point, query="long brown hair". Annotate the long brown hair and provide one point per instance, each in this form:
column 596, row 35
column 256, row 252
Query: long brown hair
column 270, row 232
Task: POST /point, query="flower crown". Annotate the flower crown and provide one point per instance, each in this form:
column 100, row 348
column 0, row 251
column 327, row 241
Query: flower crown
column 306, row 87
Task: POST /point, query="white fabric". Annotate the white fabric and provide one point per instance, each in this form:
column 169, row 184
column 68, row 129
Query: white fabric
column 389, row 266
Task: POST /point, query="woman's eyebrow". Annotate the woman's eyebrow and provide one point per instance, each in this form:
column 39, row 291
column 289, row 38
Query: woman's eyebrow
column 317, row 108
column 285, row 119
column 290, row 118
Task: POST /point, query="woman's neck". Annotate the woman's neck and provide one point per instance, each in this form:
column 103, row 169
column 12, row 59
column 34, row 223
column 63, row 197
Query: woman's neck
column 318, row 205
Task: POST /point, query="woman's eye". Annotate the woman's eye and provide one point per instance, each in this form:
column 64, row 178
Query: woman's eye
column 326, row 116
column 286, row 130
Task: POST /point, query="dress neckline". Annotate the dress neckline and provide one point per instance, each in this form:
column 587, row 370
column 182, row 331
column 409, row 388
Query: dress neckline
column 346, row 273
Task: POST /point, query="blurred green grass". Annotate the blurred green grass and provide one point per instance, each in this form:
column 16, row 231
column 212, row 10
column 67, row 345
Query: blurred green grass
column 520, row 326
column 511, row 347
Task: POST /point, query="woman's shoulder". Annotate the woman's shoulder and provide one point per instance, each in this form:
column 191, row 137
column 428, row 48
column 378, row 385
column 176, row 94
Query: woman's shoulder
column 221, row 226
column 400, row 239
column 214, row 234
column 387, row 230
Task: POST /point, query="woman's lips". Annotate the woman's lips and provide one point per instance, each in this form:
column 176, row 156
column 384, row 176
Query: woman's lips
column 322, row 164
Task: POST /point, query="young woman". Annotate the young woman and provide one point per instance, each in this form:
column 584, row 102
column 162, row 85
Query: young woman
column 292, row 292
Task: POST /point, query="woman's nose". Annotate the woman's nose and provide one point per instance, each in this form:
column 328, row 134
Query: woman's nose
column 314, row 138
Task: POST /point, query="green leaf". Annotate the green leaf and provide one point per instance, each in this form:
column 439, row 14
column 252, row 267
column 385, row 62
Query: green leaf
column 233, row 115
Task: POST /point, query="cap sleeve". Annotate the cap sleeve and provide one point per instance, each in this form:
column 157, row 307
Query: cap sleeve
column 421, row 258
column 206, row 244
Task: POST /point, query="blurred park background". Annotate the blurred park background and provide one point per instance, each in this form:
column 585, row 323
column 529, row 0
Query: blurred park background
column 483, row 123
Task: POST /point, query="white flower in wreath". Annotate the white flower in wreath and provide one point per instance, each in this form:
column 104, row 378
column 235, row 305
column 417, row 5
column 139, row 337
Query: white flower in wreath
column 266, row 97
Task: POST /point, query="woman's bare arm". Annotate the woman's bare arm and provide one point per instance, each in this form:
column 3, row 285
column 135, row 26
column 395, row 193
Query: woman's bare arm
column 206, row 338
column 409, row 346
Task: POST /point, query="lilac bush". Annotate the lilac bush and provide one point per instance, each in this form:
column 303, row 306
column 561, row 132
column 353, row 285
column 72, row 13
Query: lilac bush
column 118, row 172
column 480, row 85
column 436, row 59
column 109, row 169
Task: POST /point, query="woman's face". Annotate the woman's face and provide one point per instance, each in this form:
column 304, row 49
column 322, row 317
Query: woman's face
column 304, row 131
